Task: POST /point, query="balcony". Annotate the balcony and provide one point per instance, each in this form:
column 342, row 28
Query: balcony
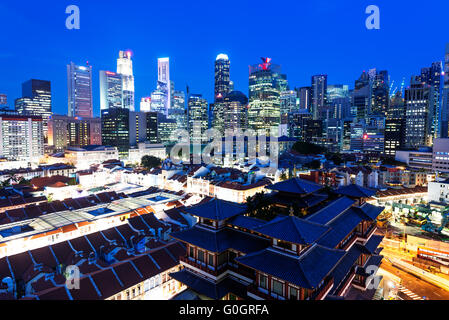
column 200, row 266
column 255, row 290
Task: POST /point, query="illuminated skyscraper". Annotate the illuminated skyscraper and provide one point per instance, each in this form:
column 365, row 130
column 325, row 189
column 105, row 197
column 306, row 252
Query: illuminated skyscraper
column 394, row 125
column 235, row 111
column 445, row 97
column 3, row 99
column 145, row 104
column 164, row 86
column 417, row 115
column 36, row 101
column 79, row 82
column 265, row 86
column 178, row 110
column 380, row 93
column 319, row 96
column 197, row 113
column 222, row 76
column 125, row 69
column 110, row 90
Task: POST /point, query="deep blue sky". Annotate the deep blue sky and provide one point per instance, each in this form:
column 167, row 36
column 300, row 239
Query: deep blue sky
column 305, row 37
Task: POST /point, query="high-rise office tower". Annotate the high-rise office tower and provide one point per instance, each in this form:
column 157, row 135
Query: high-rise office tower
column 125, row 69
column 111, row 92
column 64, row 131
column 145, row 104
column 178, row 111
column 164, row 86
column 361, row 96
column 22, row 137
column 288, row 105
column 115, row 129
column 319, row 96
column 235, row 113
column 79, row 81
column 338, row 100
column 432, row 76
column 3, row 99
column 305, row 98
column 417, row 115
column 380, row 93
column 197, row 114
column 394, row 125
column 445, row 97
column 265, row 86
column 222, row 76
column 36, row 101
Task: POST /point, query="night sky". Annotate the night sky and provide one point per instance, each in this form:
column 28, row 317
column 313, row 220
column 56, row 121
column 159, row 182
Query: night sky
column 305, row 37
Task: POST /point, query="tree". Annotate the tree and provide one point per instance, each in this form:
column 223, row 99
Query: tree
column 315, row 164
column 150, row 162
column 283, row 176
column 308, row 148
column 260, row 206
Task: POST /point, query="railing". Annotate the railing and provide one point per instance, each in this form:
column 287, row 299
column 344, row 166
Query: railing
column 349, row 279
column 200, row 266
column 246, row 273
column 255, row 290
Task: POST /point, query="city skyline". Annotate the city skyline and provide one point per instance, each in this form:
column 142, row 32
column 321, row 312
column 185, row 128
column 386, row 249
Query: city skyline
column 343, row 64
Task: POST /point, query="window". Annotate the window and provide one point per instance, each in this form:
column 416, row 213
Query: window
column 200, row 256
column 278, row 288
column 263, row 281
column 222, row 258
column 211, row 260
column 293, row 293
column 192, row 252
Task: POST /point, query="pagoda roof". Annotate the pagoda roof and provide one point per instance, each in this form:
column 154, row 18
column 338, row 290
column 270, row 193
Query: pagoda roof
column 246, row 222
column 330, row 212
column 221, row 240
column 356, row 191
column 216, row 209
column 306, row 271
column 293, row 229
column 210, row 289
column 296, row 185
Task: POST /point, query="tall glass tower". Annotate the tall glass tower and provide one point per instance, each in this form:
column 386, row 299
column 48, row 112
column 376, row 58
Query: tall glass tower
column 79, row 82
column 222, row 76
column 36, row 101
column 164, row 86
column 445, row 97
column 111, row 91
column 125, row 69
column 265, row 86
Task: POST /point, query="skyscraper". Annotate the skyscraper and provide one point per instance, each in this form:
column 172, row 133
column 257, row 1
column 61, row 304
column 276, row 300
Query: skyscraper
column 380, row 93
column 222, row 76
column 178, row 110
column 235, row 112
column 445, row 97
column 36, row 101
column 198, row 113
column 145, row 104
column 115, row 129
column 111, row 92
column 125, row 69
column 432, row 77
column 265, row 86
column 361, row 96
column 79, row 83
column 305, row 98
column 417, row 115
column 164, row 86
column 3, row 99
column 319, row 96
column 394, row 125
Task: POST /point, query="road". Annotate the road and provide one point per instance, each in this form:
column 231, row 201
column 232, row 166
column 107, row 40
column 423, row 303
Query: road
column 416, row 285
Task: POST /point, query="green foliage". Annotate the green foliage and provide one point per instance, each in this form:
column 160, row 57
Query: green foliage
column 308, row 148
column 335, row 157
column 260, row 207
column 150, row 162
column 315, row 164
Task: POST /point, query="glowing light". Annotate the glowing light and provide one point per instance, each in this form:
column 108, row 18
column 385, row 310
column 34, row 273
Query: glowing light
column 222, row 56
column 365, row 136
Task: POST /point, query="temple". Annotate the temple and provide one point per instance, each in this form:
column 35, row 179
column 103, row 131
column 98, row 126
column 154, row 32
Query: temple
column 317, row 256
